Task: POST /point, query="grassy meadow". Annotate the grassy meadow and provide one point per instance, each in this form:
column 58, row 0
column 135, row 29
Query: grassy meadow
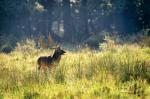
column 113, row 72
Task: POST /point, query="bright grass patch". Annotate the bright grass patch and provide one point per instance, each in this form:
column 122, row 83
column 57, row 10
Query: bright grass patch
column 116, row 72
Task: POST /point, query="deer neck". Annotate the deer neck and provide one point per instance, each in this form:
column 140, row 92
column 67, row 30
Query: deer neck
column 56, row 56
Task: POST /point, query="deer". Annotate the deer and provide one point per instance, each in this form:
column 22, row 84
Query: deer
column 50, row 62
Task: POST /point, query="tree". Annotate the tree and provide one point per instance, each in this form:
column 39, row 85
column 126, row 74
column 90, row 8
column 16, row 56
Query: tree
column 83, row 25
column 69, row 29
column 47, row 17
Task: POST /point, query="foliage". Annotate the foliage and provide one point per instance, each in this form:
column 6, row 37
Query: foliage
column 74, row 20
column 127, row 61
column 27, row 47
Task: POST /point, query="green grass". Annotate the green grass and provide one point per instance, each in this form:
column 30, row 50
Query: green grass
column 115, row 72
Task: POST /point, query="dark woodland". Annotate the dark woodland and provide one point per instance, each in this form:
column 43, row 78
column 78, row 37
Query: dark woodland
column 72, row 21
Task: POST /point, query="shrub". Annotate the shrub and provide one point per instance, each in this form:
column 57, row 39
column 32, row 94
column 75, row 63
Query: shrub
column 31, row 95
column 60, row 75
column 27, row 47
column 126, row 61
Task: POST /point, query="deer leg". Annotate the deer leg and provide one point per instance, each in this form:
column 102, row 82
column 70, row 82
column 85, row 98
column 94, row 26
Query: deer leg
column 39, row 67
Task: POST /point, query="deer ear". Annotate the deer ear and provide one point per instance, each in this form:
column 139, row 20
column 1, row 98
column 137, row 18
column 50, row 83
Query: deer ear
column 58, row 47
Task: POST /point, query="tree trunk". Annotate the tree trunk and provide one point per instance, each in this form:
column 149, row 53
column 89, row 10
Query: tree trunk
column 69, row 29
column 47, row 17
column 84, row 32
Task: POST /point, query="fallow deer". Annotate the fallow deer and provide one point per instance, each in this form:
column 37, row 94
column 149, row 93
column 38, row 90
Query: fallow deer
column 50, row 62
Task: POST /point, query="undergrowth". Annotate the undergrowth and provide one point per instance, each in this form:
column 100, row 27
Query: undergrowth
column 116, row 71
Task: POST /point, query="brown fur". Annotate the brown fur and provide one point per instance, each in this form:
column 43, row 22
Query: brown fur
column 50, row 62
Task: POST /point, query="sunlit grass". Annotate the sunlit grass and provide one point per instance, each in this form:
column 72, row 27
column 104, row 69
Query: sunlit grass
column 117, row 71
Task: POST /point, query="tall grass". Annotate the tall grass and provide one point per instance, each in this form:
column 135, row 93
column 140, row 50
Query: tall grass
column 117, row 71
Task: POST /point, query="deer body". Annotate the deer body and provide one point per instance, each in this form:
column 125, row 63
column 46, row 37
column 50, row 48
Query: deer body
column 44, row 62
